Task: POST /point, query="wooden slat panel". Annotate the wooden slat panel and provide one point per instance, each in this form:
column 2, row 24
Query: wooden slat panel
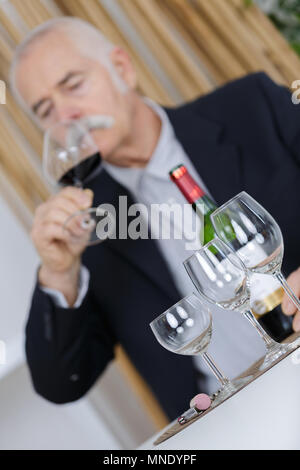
column 278, row 50
column 5, row 50
column 208, row 41
column 32, row 133
column 160, row 420
column 249, row 51
column 13, row 200
column 32, row 13
column 14, row 33
column 187, row 77
column 176, row 22
column 98, row 16
column 15, row 181
column 15, row 158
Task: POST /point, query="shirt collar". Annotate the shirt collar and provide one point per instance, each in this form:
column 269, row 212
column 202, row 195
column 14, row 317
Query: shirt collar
column 159, row 163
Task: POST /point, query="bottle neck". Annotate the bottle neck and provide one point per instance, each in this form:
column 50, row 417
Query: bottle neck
column 186, row 184
column 191, row 190
column 204, row 205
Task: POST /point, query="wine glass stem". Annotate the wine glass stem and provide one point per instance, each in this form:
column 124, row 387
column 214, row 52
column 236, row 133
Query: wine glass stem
column 78, row 184
column 279, row 276
column 216, row 371
column 269, row 342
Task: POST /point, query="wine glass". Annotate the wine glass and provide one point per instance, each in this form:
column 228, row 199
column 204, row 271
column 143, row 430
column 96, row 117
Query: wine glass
column 220, row 276
column 70, row 156
column 258, row 239
column 186, row 328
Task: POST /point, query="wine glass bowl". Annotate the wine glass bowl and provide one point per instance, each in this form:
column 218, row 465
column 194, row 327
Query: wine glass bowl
column 257, row 237
column 219, row 276
column 186, row 328
column 66, row 145
column 182, row 329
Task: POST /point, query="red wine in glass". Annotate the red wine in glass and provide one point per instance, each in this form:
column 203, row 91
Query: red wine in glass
column 78, row 174
column 70, row 156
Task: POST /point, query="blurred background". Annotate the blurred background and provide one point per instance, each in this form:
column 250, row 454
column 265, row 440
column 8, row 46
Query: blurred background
column 181, row 49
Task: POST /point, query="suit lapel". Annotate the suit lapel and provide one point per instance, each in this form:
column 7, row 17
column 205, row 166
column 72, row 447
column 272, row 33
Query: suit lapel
column 141, row 253
column 217, row 162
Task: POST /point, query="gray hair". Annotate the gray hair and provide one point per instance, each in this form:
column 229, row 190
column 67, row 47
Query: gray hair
column 88, row 39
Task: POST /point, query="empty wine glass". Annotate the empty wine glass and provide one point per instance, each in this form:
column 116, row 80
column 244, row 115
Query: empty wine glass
column 70, row 156
column 258, row 239
column 220, row 276
column 186, row 328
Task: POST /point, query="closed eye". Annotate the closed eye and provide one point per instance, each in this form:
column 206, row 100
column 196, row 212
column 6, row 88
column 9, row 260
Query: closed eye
column 77, row 85
column 46, row 113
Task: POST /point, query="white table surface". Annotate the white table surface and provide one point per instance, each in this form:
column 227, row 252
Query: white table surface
column 263, row 415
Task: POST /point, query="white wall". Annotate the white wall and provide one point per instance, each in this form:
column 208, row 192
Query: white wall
column 18, row 262
column 30, row 422
column 109, row 417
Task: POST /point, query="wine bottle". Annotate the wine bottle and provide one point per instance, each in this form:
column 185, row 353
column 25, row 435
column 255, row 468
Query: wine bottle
column 266, row 292
column 194, row 194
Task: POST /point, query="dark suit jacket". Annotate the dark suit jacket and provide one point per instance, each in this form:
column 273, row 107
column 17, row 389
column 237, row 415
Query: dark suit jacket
column 243, row 136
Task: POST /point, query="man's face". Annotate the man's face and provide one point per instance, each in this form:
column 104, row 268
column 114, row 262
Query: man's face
column 59, row 83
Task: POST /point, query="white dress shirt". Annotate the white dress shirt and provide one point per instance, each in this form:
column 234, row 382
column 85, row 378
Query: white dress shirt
column 235, row 344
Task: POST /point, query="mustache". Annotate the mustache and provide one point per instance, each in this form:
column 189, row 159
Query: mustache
column 98, row 121
column 78, row 132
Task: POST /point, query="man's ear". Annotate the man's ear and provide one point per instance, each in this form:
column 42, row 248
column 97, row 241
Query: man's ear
column 124, row 66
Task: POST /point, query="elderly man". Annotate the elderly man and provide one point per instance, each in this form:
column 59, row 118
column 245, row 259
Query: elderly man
column 245, row 135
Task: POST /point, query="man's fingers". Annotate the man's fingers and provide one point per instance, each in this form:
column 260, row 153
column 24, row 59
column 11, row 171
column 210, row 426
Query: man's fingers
column 74, row 236
column 56, row 216
column 66, row 205
column 294, row 282
column 296, row 322
column 63, row 202
column 54, row 231
column 71, row 229
column 63, row 207
column 79, row 227
column 58, row 235
column 82, row 198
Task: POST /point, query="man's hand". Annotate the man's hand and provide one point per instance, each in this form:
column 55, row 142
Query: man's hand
column 59, row 253
column 287, row 305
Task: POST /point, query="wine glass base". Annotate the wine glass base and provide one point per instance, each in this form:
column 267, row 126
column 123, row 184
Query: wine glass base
column 275, row 352
column 294, row 344
column 240, row 383
column 229, row 389
column 88, row 227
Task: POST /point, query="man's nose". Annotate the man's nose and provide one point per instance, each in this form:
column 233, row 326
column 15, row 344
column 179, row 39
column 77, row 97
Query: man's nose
column 68, row 113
